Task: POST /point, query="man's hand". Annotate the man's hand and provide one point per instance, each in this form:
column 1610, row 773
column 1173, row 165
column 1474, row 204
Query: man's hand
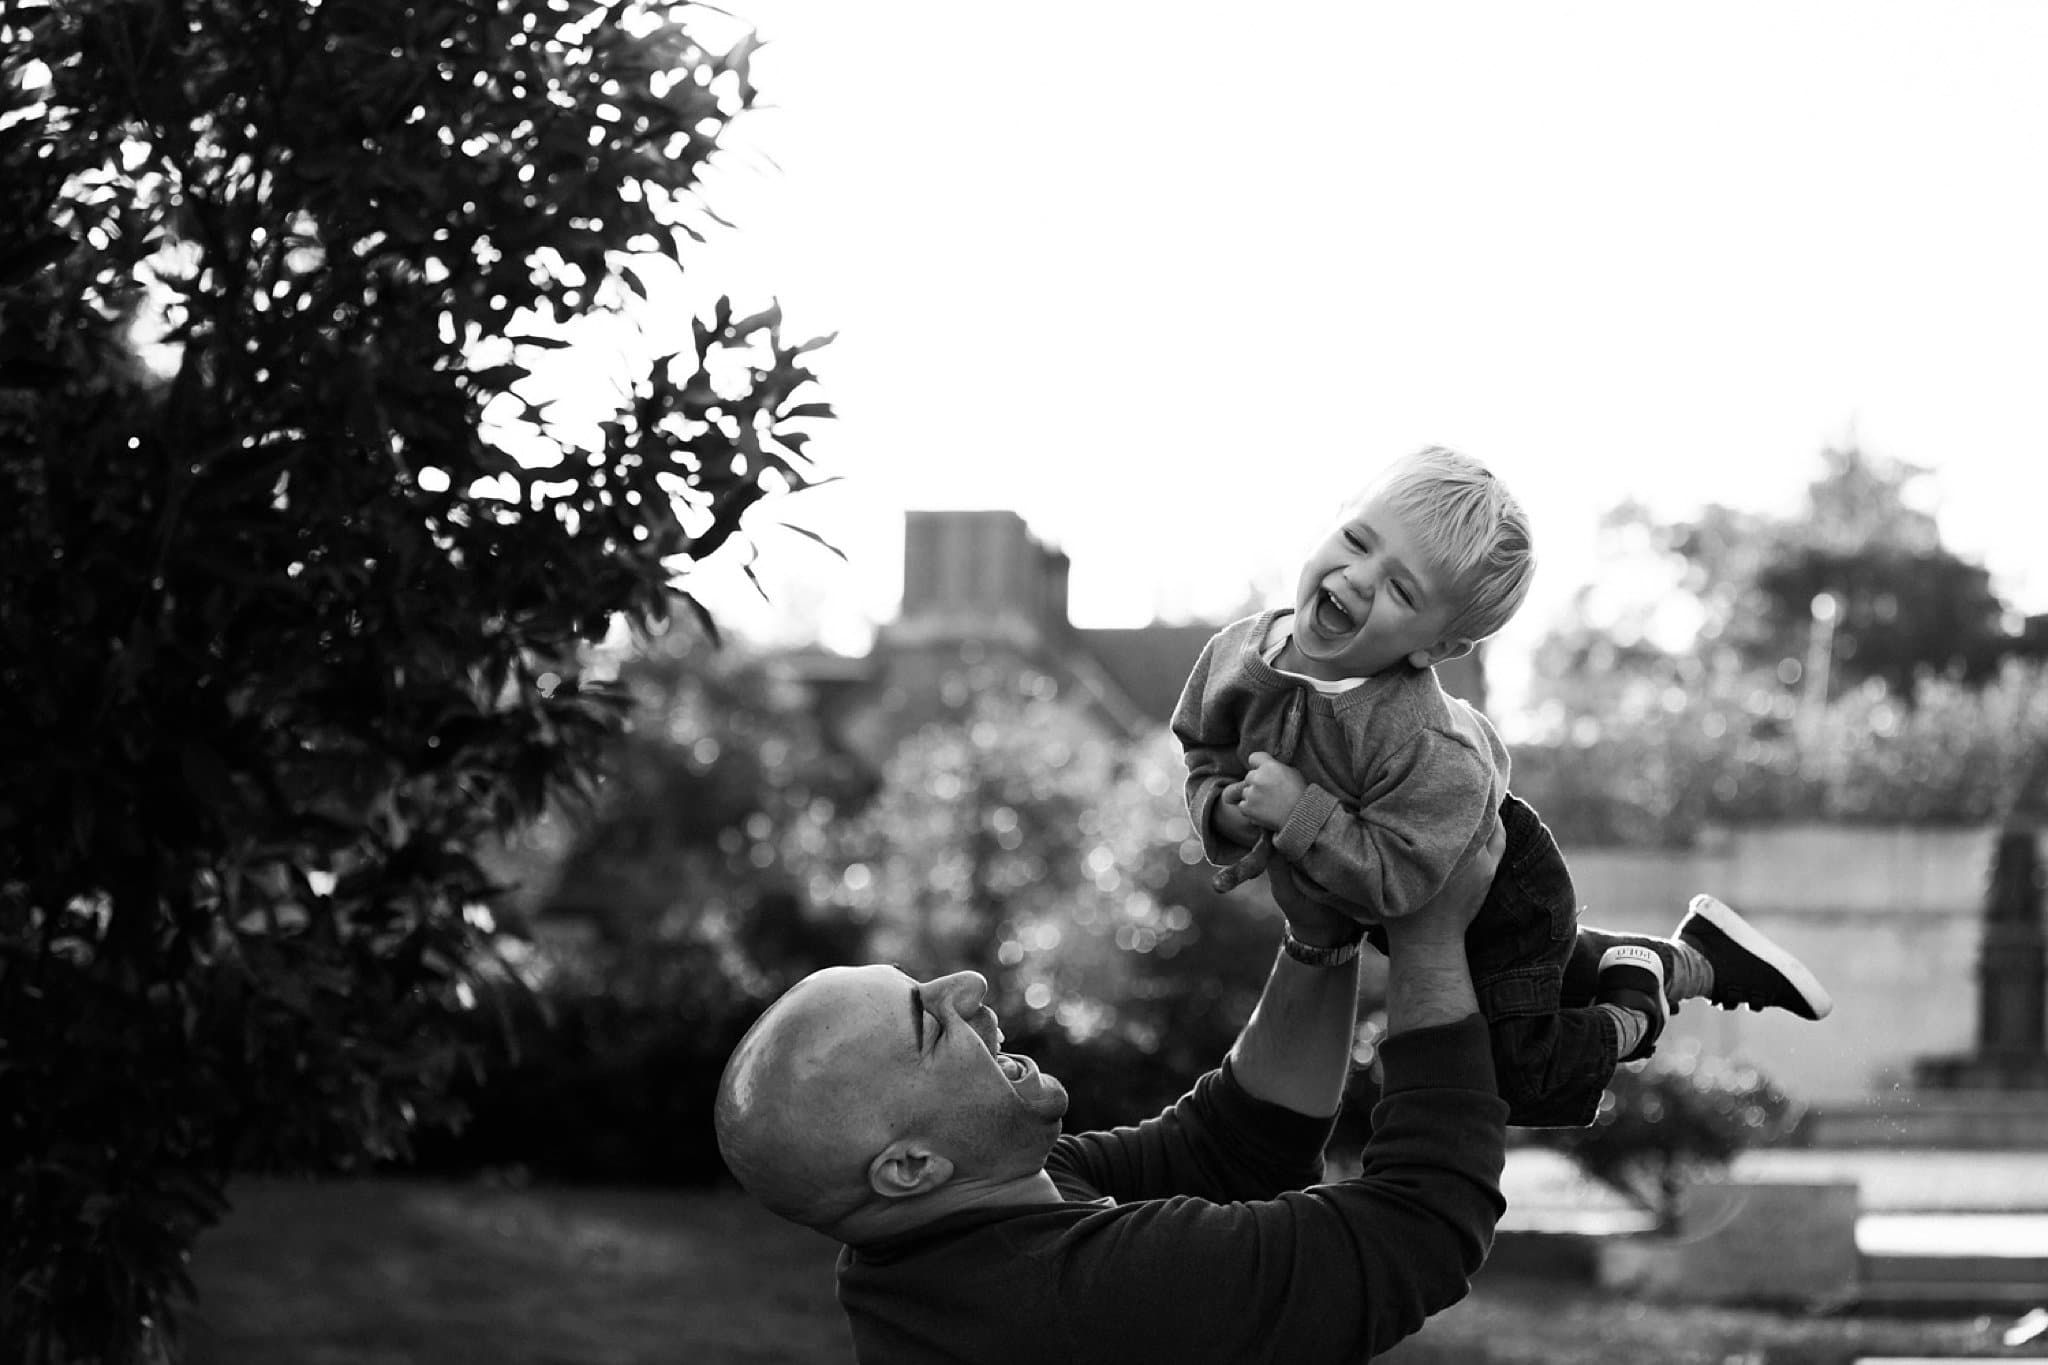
column 1429, row 981
column 1227, row 815
column 1451, row 911
column 1270, row 790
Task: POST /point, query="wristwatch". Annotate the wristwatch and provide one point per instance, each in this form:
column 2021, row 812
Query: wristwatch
column 1310, row 955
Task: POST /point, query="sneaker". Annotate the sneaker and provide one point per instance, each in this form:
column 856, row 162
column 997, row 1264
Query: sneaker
column 1632, row 976
column 1749, row 969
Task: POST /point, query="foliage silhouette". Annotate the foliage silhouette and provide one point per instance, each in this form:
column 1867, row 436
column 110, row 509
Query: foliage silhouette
column 287, row 626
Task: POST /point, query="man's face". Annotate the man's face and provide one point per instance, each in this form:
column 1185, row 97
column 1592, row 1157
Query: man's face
column 923, row 1058
column 1368, row 599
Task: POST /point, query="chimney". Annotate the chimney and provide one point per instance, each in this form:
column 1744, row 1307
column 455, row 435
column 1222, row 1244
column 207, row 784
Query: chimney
column 975, row 573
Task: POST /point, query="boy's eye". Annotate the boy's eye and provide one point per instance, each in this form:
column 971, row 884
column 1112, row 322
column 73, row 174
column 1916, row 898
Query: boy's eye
column 1401, row 591
column 1351, row 539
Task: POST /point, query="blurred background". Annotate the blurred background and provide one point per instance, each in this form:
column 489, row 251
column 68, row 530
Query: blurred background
column 871, row 657
column 1123, row 268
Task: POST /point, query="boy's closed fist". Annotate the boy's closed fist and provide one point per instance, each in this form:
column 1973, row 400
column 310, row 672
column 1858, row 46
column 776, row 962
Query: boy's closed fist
column 1270, row 790
column 1229, row 819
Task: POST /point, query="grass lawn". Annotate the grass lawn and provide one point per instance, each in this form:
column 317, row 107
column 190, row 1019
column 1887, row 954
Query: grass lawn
column 392, row 1272
column 1537, row 1322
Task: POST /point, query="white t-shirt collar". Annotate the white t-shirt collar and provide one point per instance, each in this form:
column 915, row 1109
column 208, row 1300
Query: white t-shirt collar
column 1276, row 640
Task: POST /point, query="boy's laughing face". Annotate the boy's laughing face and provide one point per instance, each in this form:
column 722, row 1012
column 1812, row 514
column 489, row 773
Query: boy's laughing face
column 1369, row 598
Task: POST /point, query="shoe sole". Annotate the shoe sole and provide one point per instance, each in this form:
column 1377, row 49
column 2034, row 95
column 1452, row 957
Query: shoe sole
column 1748, row 938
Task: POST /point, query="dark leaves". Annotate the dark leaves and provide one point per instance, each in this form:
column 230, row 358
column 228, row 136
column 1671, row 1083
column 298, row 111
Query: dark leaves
column 273, row 629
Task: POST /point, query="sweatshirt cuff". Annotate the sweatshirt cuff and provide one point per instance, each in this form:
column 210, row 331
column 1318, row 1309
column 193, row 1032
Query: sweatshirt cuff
column 1304, row 822
column 1457, row 1056
column 1284, row 1132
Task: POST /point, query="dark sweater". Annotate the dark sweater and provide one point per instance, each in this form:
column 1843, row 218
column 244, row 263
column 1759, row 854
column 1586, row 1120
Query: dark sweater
column 1202, row 1235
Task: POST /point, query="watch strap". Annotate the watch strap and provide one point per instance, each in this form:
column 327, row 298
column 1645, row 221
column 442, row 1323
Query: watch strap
column 1310, row 955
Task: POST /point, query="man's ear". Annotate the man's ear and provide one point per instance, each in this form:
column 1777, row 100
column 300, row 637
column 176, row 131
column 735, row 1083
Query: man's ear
column 1440, row 652
column 908, row 1166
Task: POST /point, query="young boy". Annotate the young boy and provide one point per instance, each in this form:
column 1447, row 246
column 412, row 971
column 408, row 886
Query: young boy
column 1322, row 752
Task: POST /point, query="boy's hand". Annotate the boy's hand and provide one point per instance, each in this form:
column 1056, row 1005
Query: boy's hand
column 1270, row 790
column 1227, row 815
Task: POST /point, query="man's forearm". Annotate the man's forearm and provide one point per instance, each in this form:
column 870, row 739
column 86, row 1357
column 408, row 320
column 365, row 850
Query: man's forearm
column 1429, row 981
column 1296, row 1048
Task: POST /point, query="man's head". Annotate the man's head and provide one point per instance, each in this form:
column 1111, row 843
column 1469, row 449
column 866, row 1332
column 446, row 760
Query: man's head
column 1432, row 557
column 862, row 1093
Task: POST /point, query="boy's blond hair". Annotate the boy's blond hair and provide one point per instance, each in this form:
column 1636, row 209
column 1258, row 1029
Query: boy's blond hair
column 1471, row 526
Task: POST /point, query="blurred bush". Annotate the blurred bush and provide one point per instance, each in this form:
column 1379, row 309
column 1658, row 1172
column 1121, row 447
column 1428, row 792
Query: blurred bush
column 1668, row 1122
column 1728, row 748
column 735, row 849
column 658, row 919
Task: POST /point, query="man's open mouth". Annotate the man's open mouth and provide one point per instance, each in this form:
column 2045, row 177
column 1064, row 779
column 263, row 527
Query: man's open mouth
column 1013, row 1070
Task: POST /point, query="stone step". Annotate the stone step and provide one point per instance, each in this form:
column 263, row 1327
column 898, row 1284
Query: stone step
column 1968, row 1121
column 1986, row 1281
column 1883, row 1281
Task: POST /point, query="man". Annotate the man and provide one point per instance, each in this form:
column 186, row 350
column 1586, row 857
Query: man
column 881, row 1111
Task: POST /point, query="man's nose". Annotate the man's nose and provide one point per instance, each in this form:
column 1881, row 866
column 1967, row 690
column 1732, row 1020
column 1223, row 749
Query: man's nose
column 963, row 992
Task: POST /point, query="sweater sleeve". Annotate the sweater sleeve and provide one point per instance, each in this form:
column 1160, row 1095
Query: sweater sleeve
column 1218, row 1142
column 1208, row 735
column 1327, row 1274
column 1392, row 853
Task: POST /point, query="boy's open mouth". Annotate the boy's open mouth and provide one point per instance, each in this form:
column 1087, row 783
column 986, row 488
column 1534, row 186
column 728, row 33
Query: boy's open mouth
column 1332, row 619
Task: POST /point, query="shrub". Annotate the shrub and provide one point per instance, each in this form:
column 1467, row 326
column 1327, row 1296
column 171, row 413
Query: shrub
column 1666, row 1123
column 1733, row 750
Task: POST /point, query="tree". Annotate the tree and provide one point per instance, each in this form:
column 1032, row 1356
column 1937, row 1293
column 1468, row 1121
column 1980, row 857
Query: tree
column 1898, row 603
column 287, row 627
column 1838, row 664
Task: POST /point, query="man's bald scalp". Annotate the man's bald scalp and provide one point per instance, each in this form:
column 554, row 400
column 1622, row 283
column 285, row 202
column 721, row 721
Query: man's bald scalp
column 782, row 1117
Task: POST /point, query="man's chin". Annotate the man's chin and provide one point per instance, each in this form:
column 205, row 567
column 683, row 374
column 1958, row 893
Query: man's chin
column 1050, row 1099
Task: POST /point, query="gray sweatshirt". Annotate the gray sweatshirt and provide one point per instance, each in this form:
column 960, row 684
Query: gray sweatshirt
column 1403, row 779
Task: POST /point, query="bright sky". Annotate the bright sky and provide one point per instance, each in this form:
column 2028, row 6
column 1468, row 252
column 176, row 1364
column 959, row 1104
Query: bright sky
column 1170, row 278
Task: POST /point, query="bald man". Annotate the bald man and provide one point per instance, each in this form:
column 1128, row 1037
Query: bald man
column 882, row 1111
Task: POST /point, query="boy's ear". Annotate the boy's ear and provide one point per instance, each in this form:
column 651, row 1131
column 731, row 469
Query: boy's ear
column 906, row 1167
column 1439, row 652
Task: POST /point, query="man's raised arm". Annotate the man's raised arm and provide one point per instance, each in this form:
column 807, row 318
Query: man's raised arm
column 1295, row 1050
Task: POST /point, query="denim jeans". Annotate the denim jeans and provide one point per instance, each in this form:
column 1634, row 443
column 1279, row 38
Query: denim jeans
column 1552, row 1058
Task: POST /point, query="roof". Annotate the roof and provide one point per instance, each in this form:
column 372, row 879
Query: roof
column 1150, row 663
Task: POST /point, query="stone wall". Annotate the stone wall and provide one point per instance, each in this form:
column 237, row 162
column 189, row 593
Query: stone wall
column 1889, row 918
